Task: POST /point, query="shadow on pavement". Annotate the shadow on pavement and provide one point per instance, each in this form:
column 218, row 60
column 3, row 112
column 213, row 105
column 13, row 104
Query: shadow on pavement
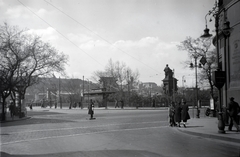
column 31, row 121
column 193, row 126
column 98, row 153
column 44, row 112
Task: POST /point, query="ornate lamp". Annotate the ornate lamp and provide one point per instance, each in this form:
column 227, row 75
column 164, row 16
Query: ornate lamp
column 206, row 33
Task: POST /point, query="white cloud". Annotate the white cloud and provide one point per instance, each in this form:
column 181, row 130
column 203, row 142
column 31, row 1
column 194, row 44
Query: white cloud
column 48, row 34
column 1, row 3
column 137, row 50
column 94, row 44
column 17, row 12
column 79, row 38
column 41, row 12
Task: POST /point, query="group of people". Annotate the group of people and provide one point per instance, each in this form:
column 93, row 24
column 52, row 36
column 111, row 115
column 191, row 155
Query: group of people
column 178, row 112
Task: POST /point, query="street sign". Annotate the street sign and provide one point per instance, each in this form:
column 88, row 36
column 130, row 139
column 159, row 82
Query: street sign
column 203, row 60
column 219, row 78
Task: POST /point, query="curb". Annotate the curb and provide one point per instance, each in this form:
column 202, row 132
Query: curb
column 228, row 139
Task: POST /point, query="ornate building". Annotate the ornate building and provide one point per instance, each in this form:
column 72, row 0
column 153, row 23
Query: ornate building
column 229, row 47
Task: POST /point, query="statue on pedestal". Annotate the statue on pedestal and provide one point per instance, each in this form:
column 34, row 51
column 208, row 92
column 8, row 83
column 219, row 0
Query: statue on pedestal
column 168, row 72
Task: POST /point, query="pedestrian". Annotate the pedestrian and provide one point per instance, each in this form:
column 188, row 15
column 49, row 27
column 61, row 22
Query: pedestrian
column 116, row 103
column 177, row 115
column 171, row 114
column 30, row 106
column 154, row 103
column 74, row 105
column 233, row 110
column 80, row 104
column 122, row 103
column 11, row 109
column 43, row 103
column 185, row 114
column 90, row 109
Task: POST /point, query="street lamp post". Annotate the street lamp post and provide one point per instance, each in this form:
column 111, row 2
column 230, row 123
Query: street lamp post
column 183, row 81
column 128, row 83
column 88, row 92
column 196, row 84
column 82, row 94
column 173, row 85
column 219, row 76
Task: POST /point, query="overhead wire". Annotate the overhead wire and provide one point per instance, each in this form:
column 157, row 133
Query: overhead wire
column 98, row 35
column 60, row 33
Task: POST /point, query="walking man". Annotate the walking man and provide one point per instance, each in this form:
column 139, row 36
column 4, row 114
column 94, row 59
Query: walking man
column 90, row 109
column 233, row 110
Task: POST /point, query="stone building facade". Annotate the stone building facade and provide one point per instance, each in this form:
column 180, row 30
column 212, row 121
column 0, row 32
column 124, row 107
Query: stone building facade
column 229, row 48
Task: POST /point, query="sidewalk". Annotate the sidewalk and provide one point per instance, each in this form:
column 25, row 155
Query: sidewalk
column 208, row 127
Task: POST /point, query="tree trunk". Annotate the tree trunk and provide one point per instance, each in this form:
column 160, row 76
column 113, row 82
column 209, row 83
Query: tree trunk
column 3, row 118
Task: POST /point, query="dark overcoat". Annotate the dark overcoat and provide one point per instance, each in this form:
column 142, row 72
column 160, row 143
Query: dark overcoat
column 177, row 114
column 185, row 114
column 90, row 109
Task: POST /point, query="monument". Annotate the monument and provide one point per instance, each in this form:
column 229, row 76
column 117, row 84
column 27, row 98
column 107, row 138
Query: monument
column 169, row 82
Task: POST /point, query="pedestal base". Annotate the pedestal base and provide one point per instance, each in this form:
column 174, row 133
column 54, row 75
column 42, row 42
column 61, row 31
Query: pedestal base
column 221, row 124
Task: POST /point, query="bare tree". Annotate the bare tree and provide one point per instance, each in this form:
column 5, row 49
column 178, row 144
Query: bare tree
column 119, row 71
column 24, row 58
column 123, row 74
column 72, row 88
column 201, row 50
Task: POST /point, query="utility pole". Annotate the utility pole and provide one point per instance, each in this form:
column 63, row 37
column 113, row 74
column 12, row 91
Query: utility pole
column 196, row 87
column 183, row 80
column 83, row 90
column 88, row 93
column 173, row 88
column 59, row 93
column 128, row 88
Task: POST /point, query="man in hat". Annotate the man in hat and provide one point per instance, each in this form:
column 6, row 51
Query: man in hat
column 233, row 109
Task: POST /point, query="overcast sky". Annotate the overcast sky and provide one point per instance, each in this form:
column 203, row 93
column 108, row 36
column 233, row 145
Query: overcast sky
column 141, row 33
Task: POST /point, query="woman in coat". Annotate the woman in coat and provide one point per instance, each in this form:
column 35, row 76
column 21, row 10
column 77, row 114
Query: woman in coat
column 185, row 114
column 177, row 115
